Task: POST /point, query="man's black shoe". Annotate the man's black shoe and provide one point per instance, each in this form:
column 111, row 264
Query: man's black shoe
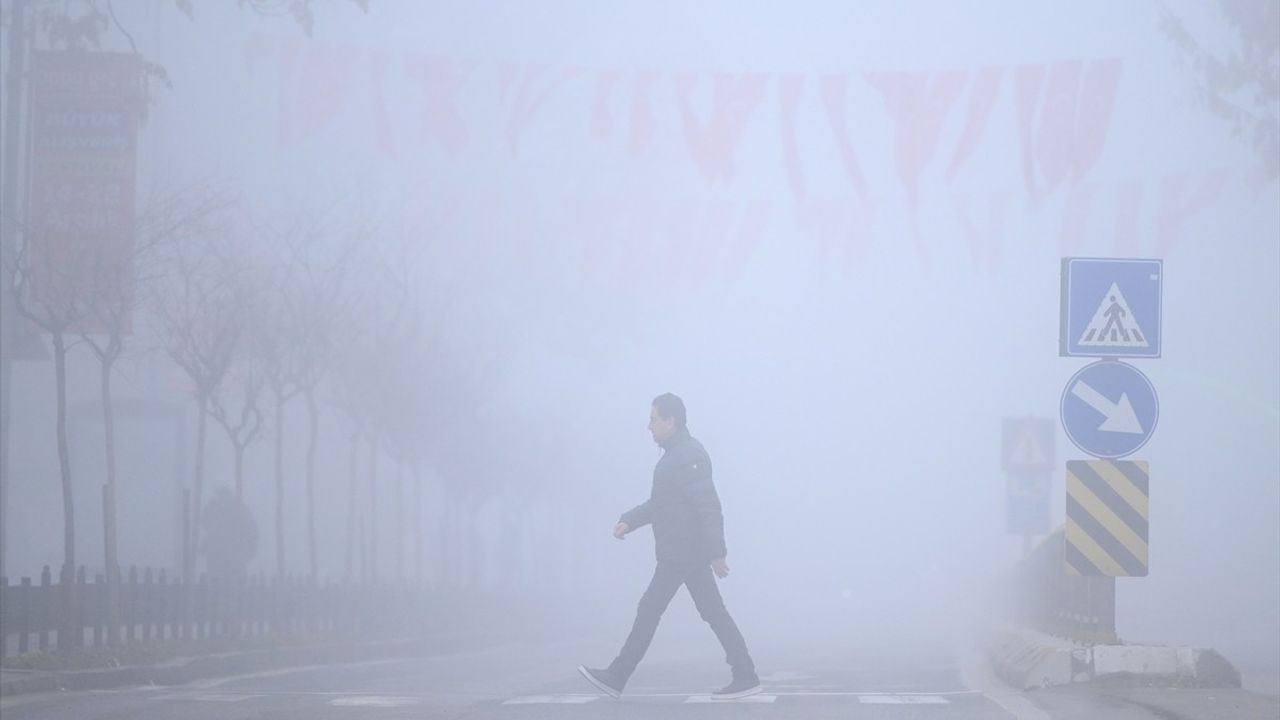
column 739, row 688
column 604, row 680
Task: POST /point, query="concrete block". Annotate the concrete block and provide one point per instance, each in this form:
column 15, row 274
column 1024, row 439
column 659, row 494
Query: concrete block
column 1134, row 660
column 1025, row 659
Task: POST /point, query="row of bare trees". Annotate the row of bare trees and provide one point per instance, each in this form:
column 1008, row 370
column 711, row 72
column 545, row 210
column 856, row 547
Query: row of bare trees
column 325, row 312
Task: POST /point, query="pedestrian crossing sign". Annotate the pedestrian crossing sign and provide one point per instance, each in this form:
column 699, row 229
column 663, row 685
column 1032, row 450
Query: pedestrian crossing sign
column 1111, row 307
column 1027, row 445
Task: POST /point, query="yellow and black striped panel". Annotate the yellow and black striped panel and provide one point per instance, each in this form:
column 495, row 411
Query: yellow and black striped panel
column 1107, row 517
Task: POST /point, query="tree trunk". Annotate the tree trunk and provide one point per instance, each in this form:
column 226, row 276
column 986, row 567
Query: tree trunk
column 399, row 519
column 364, row 555
column 373, row 507
column 64, row 457
column 280, row 565
column 314, row 415
column 474, row 559
column 449, row 537
column 240, row 448
column 351, row 506
column 417, row 523
column 202, row 406
column 68, row 502
column 109, row 509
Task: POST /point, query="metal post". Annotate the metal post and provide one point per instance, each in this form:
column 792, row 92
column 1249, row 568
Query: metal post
column 186, row 537
column 9, row 245
column 24, row 618
column 112, row 569
column 46, row 601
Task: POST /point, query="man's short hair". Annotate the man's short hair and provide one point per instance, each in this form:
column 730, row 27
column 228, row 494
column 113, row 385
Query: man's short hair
column 671, row 406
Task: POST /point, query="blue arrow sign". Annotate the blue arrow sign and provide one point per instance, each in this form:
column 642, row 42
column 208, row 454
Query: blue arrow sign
column 1110, row 308
column 1109, row 409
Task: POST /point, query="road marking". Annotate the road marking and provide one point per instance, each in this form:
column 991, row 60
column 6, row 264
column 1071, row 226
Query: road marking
column 864, row 693
column 207, row 697
column 552, row 699
column 373, row 701
column 903, row 699
column 277, row 672
column 758, row 698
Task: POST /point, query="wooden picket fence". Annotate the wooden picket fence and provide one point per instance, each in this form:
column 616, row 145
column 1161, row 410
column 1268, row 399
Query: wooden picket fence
column 154, row 607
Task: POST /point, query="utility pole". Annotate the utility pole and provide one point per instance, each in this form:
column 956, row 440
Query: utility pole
column 9, row 230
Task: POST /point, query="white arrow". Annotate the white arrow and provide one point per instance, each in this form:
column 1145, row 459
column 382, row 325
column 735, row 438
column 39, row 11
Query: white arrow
column 1120, row 417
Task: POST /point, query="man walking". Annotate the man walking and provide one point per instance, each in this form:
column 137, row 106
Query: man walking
column 688, row 535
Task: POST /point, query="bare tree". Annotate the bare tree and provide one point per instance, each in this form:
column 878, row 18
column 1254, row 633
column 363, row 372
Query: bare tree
column 345, row 396
column 348, row 393
column 278, row 357
column 243, row 426
column 112, row 300
column 202, row 311
column 297, row 350
column 318, row 294
column 51, row 291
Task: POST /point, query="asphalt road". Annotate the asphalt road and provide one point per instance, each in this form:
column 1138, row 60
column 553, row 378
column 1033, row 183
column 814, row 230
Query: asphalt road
column 526, row 680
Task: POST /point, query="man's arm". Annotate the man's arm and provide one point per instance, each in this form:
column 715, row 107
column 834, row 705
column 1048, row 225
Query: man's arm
column 638, row 516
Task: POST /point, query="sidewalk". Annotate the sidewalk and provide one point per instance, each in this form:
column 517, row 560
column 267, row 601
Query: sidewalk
column 187, row 669
column 1103, row 701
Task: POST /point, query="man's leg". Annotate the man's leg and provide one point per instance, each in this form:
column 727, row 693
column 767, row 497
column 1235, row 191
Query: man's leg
column 706, row 596
column 666, row 581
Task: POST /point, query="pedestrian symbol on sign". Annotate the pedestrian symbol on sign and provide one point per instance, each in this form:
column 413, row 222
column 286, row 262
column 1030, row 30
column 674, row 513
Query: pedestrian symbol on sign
column 1027, row 446
column 1027, row 452
column 1113, row 324
column 1110, row 307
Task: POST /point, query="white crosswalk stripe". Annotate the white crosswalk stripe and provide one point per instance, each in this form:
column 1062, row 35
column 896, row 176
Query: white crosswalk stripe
column 760, row 698
column 903, row 700
column 870, row 698
column 207, row 697
column 552, row 699
column 373, row 701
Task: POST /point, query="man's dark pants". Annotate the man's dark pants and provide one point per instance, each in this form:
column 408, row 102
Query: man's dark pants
column 667, row 579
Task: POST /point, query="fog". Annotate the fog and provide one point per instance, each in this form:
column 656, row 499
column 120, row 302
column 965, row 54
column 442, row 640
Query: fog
column 834, row 231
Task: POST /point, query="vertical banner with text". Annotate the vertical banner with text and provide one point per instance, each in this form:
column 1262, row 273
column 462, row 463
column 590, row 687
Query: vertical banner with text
column 84, row 118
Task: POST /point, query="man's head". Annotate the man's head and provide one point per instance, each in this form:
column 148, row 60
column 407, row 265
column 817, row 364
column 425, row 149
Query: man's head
column 666, row 416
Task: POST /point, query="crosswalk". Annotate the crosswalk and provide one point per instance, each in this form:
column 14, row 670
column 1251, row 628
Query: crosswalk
column 867, row 698
column 573, row 698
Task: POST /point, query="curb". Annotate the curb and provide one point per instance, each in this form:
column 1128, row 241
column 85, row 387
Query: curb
column 1026, row 659
column 27, row 682
column 182, row 670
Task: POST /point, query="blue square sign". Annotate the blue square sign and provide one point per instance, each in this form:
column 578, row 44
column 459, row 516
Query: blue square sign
column 1110, row 308
column 1026, row 506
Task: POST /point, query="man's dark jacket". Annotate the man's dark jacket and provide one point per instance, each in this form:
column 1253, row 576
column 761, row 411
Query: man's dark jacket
column 683, row 507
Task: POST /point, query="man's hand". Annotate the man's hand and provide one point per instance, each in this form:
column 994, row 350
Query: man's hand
column 620, row 530
column 720, row 567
